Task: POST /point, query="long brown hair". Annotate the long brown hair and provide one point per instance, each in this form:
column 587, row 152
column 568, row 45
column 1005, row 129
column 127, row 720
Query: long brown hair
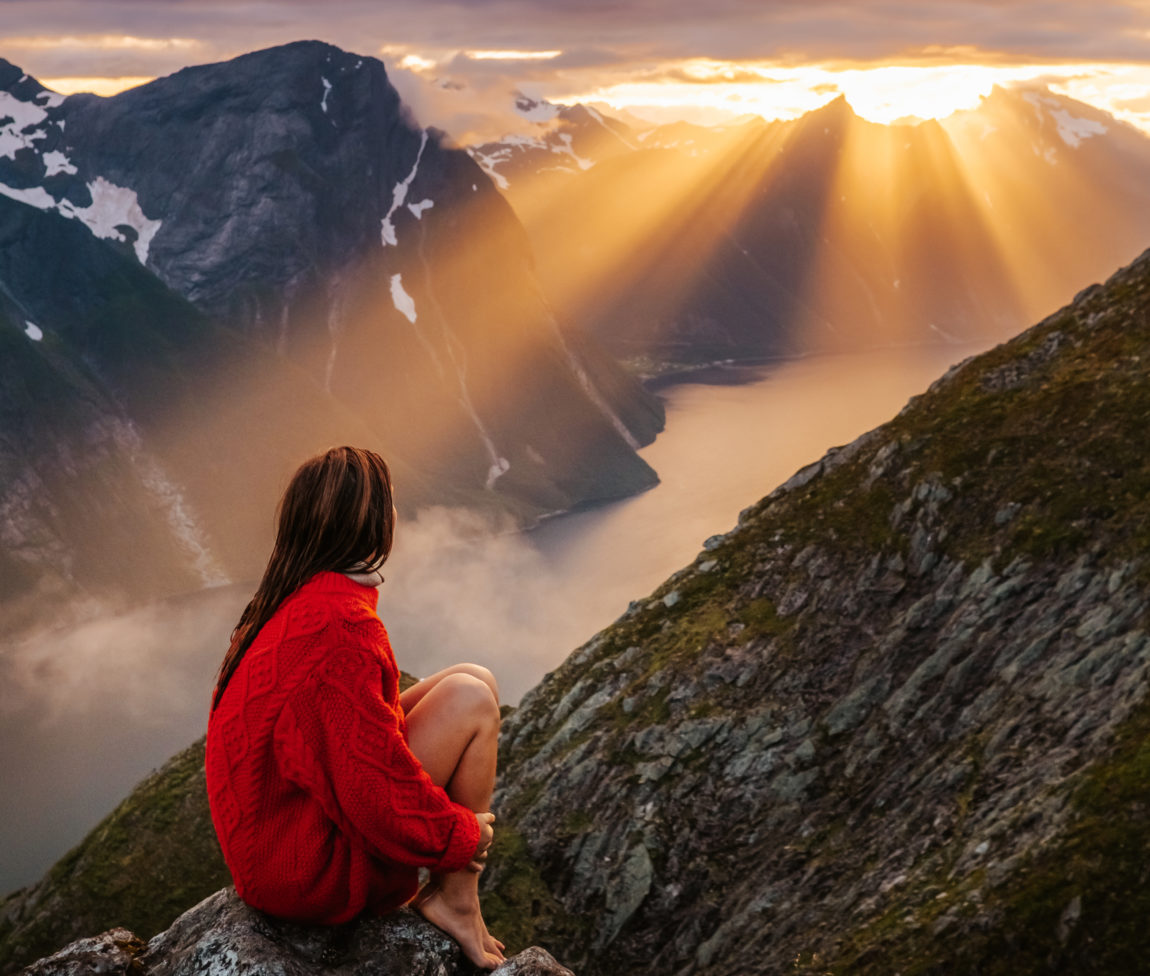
column 336, row 514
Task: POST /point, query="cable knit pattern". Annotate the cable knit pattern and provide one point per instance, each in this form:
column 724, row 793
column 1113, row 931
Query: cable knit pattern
column 320, row 807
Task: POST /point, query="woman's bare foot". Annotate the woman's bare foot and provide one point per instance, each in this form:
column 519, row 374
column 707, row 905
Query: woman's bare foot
column 458, row 914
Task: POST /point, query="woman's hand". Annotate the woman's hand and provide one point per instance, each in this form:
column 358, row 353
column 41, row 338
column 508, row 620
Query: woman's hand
column 486, row 836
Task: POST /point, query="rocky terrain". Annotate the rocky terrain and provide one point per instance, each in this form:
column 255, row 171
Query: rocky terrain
column 223, row 935
column 760, row 239
column 894, row 721
column 215, row 274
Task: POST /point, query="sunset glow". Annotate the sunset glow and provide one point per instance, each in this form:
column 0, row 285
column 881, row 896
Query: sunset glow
column 712, row 91
column 98, row 86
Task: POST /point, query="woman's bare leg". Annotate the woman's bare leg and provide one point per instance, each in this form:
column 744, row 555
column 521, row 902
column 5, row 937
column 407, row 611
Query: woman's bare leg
column 412, row 697
column 453, row 730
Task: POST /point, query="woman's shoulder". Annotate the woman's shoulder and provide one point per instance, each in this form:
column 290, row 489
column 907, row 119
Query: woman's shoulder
column 328, row 598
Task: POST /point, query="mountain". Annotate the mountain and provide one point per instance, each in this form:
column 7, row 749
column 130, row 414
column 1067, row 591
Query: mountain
column 215, row 274
column 830, row 232
column 570, row 138
column 894, row 721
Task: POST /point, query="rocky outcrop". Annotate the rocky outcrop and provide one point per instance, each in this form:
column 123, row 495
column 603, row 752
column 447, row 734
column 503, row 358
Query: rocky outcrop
column 895, row 720
column 149, row 860
column 225, row 937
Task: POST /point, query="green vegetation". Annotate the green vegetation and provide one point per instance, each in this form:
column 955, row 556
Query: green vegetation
column 1077, row 905
column 518, row 906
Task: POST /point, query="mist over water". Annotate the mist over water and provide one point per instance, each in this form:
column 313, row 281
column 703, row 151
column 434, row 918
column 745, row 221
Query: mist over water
column 87, row 711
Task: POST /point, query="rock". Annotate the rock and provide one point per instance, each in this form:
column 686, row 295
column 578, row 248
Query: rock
column 115, row 953
column 224, row 937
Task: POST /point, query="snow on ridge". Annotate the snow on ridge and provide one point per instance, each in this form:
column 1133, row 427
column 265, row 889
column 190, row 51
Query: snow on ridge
column 49, row 99
column 402, row 301
column 487, row 164
column 398, row 196
column 326, row 92
column 565, row 139
column 535, row 110
column 56, row 162
column 33, row 331
column 1071, row 128
column 418, row 208
column 112, row 207
column 23, row 113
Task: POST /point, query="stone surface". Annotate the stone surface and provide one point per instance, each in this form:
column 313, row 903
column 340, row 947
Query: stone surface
column 224, row 937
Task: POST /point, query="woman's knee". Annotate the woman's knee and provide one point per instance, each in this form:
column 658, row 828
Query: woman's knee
column 483, row 674
column 471, row 694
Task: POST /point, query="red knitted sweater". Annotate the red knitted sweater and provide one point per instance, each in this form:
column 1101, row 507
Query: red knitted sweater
column 320, row 807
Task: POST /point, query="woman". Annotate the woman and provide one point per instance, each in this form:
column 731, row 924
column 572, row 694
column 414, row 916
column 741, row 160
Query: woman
column 328, row 788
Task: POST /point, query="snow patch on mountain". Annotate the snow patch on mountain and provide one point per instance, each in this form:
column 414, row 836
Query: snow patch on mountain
column 535, row 110
column 488, row 163
column 497, row 471
column 402, row 301
column 113, row 208
column 326, row 92
column 1071, row 128
column 24, row 116
column 418, row 208
column 399, row 196
column 566, row 147
column 33, row 331
column 56, row 162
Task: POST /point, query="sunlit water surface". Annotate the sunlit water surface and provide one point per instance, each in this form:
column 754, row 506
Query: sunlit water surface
column 86, row 711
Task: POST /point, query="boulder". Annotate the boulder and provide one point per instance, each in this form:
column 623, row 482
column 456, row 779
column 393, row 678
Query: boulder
column 222, row 936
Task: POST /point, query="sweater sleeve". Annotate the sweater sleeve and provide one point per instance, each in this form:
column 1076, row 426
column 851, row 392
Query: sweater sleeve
column 339, row 740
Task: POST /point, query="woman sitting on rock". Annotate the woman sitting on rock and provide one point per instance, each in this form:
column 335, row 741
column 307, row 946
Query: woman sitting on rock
column 329, row 789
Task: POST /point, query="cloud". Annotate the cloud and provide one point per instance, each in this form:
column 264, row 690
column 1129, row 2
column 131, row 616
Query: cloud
column 640, row 30
column 465, row 587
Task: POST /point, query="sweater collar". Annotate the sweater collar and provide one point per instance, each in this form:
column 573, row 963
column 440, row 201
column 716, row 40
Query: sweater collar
column 341, row 583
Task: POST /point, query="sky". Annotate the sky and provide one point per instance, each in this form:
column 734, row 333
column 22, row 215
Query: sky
column 457, row 61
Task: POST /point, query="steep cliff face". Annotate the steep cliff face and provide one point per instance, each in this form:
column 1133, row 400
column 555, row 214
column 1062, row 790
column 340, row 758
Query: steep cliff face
column 895, row 720
column 143, row 445
column 288, row 193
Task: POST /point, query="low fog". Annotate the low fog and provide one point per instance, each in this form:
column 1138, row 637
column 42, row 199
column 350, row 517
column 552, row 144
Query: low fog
column 87, row 710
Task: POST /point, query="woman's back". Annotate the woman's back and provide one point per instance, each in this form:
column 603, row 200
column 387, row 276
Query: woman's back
column 320, row 808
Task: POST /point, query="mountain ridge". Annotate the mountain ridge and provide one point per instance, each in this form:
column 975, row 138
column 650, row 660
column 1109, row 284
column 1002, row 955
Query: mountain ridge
column 829, row 231
column 269, row 194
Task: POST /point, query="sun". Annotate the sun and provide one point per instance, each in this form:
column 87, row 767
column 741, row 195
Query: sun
column 711, row 91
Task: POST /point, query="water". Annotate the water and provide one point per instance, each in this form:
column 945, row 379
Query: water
column 86, row 711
